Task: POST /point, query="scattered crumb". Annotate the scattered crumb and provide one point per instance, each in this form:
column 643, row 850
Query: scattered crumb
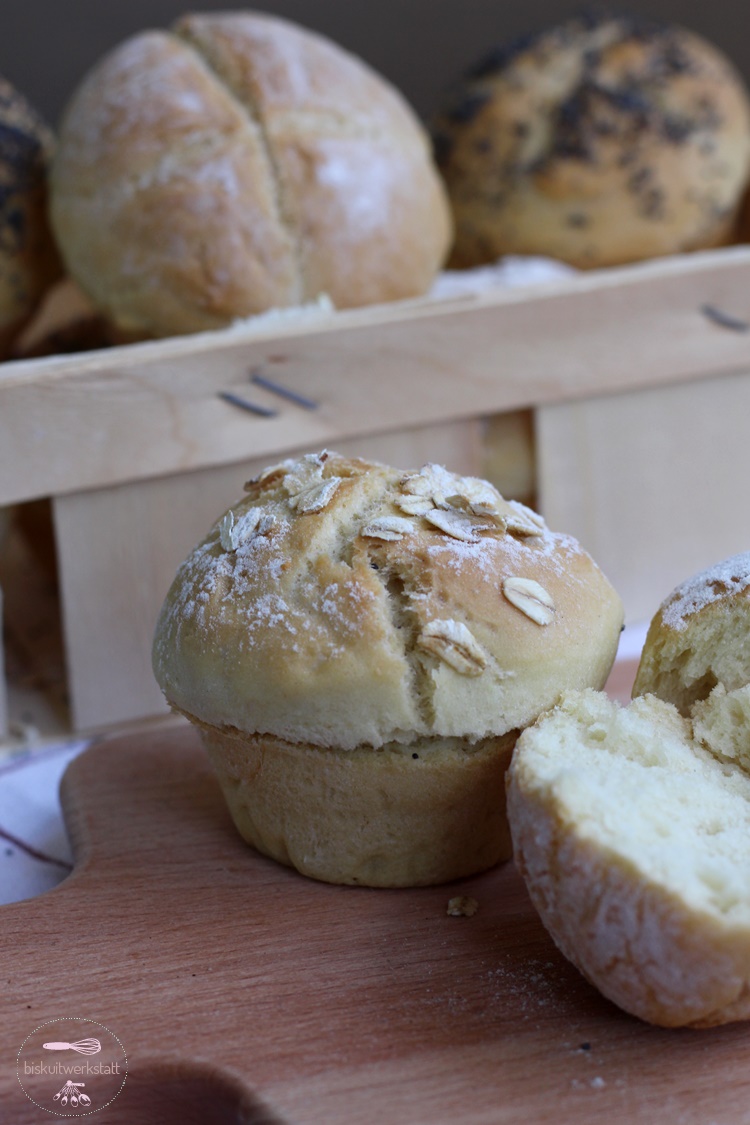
column 462, row 907
column 597, row 1083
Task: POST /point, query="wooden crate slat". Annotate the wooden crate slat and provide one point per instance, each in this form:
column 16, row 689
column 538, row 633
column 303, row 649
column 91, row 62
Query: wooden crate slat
column 3, row 689
column 651, row 482
column 150, row 410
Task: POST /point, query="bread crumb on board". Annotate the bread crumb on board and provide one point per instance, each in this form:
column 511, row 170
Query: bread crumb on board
column 462, row 906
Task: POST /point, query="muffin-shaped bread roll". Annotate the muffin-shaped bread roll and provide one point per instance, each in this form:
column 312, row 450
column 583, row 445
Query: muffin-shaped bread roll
column 700, row 637
column 601, row 141
column 359, row 647
column 29, row 262
column 236, row 163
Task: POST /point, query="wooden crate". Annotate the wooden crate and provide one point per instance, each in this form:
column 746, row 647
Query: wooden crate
column 639, row 392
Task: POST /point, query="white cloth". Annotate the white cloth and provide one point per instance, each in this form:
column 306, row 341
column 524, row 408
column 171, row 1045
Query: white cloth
column 34, row 849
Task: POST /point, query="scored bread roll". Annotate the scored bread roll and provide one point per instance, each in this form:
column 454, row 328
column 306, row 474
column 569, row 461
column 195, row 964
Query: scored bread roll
column 606, row 139
column 700, row 636
column 359, row 647
column 238, row 162
column 29, row 261
column 631, row 828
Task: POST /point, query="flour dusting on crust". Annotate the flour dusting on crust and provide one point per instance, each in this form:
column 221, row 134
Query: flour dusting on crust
column 732, row 576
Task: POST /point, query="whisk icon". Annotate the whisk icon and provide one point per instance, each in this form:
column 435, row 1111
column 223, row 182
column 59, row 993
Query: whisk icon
column 83, row 1046
column 71, row 1091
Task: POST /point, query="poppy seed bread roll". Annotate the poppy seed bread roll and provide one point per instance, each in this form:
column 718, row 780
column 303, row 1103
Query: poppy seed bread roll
column 359, row 647
column 604, row 140
column 29, row 261
column 236, row 163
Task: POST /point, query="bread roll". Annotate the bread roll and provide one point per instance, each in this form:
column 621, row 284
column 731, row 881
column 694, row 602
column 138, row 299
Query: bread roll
column 604, row 140
column 236, row 163
column 632, row 826
column 700, row 637
column 359, row 647
column 633, row 837
column 29, row 262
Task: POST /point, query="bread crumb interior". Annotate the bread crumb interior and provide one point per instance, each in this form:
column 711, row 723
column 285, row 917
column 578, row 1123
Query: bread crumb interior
column 665, row 795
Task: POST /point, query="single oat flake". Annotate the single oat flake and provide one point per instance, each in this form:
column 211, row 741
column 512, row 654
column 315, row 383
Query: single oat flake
column 234, row 532
column 415, row 505
column 451, row 642
column 457, row 524
column 529, row 514
column 531, row 598
column 389, row 528
column 272, row 471
column 316, row 498
column 517, row 523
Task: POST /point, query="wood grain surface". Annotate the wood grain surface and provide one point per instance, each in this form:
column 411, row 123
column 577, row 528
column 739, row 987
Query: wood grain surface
column 243, row 992
column 146, row 410
column 647, row 481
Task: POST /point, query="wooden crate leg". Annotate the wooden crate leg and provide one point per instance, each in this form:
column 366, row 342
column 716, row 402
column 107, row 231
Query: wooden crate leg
column 651, row 482
column 118, row 550
column 3, row 685
column 509, row 456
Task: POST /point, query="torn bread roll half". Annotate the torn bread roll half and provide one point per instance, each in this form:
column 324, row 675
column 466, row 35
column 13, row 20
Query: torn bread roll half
column 359, row 647
column 631, row 826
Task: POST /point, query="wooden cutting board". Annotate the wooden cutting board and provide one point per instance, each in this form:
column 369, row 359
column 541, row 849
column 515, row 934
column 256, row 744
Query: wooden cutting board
column 243, row 992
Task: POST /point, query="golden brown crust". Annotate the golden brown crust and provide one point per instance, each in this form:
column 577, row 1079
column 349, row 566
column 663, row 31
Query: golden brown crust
column 602, row 141
column 359, row 645
column 238, row 163
column 29, row 262
column 320, row 630
column 396, row 817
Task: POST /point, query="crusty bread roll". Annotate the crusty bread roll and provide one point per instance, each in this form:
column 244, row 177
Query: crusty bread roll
column 700, row 637
column 236, row 163
column 359, row 647
column 29, row 261
column 633, row 837
column 632, row 826
column 601, row 141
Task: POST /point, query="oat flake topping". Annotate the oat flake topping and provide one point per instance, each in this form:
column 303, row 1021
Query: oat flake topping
column 531, row 598
column 442, row 489
column 453, row 643
column 459, row 525
column 389, row 528
column 233, row 532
